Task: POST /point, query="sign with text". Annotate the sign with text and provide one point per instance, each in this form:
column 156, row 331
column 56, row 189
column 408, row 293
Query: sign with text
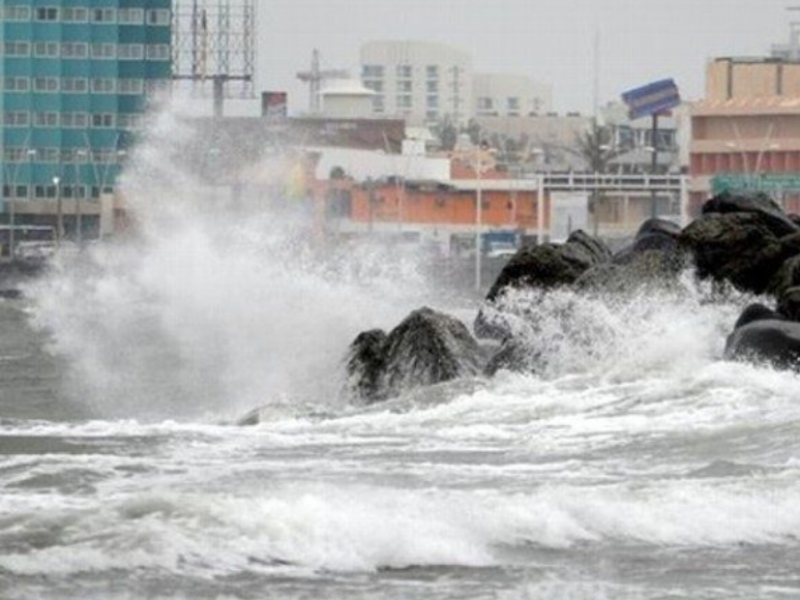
column 652, row 99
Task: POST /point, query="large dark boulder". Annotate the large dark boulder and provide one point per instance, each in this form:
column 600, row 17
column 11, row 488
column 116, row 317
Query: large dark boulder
column 789, row 303
column 756, row 312
column 757, row 203
column 427, row 348
column 774, row 341
column 787, row 276
column 654, row 235
column 743, row 248
column 365, row 363
column 655, row 257
column 551, row 265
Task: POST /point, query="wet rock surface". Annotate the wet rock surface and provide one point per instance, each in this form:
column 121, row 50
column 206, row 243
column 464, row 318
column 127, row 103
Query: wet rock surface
column 427, row 348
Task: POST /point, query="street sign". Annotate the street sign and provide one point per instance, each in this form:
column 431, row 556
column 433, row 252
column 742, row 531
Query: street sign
column 784, row 182
column 652, row 99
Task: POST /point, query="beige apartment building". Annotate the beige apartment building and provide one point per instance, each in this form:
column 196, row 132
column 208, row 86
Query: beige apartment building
column 746, row 132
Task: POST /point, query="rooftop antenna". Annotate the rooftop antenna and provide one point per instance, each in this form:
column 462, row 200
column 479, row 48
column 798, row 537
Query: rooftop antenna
column 314, row 78
column 794, row 35
column 596, row 82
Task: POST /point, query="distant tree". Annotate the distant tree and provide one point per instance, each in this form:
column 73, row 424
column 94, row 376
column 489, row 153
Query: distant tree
column 595, row 147
column 473, row 130
column 447, row 133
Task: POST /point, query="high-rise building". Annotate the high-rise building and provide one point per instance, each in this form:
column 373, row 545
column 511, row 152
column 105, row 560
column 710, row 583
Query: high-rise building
column 75, row 81
column 423, row 82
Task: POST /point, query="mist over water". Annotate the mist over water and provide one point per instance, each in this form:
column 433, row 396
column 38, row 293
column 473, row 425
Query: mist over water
column 629, row 462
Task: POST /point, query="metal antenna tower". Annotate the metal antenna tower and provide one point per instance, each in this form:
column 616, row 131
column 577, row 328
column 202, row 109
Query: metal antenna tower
column 214, row 48
column 314, row 78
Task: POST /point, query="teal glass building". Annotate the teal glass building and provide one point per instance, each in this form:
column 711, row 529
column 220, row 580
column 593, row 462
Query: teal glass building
column 76, row 76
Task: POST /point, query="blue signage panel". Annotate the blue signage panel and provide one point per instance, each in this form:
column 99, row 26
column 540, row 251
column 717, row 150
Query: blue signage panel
column 652, row 99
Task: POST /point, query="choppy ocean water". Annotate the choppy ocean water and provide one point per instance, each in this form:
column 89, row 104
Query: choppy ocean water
column 655, row 471
column 636, row 464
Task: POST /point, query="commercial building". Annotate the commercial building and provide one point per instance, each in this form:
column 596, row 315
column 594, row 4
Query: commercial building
column 500, row 95
column 76, row 77
column 746, row 132
column 423, row 82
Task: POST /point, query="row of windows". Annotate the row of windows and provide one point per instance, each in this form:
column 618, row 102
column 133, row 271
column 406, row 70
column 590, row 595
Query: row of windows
column 405, row 87
column 73, row 85
column 81, row 14
column 71, row 120
column 82, row 50
column 50, row 191
column 62, row 155
column 403, row 71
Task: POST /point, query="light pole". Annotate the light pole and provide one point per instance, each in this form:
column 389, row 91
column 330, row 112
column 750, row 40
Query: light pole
column 80, row 155
column 478, row 223
column 59, row 212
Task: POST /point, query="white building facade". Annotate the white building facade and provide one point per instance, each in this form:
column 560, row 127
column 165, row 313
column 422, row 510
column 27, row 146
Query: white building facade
column 423, row 82
column 499, row 95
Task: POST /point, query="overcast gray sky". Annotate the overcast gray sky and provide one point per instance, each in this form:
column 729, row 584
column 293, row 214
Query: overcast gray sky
column 549, row 40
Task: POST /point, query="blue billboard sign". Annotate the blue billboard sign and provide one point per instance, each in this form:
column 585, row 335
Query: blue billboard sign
column 652, row 99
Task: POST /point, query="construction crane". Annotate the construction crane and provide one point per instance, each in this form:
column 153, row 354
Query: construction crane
column 314, row 78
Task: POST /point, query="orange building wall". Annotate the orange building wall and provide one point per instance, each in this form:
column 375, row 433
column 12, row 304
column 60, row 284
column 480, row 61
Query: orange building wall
column 393, row 204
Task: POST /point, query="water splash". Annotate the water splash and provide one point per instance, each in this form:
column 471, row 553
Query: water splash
column 209, row 310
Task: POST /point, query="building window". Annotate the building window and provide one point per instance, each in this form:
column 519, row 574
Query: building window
column 47, row 13
column 103, row 120
column 14, row 155
column 74, row 50
column 74, row 85
column 17, row 49
column 47, row 155
column 485, row 103
column 74, row 120
column 378, row 104
column 432, row 72
column 130, row 52
column 129, row 121
column 104, row 15
column 16, row 84
column 432, row 87
column 158, row 86
column 131, row 16
column 104, row 51
column 45, row 119
column 372, row 72
column 432, row 116
column 432, row 101
column 74, row 155
column 375, row 86
column 158, row 52
column 105, row 156
column 16, row 13
column 46, row 49
column 513, row 104
column 404, row 101
column 158, row 16
column 131, row 86
column 45, row 85
column 103, row 86
column 404, row 71
column 74, row 15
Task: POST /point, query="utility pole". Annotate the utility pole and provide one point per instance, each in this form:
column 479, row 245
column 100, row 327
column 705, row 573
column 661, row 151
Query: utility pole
column 314, row 78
